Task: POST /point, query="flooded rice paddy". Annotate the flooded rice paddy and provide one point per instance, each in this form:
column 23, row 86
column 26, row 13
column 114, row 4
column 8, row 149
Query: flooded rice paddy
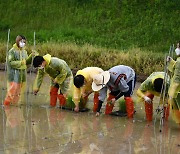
column 35, row 128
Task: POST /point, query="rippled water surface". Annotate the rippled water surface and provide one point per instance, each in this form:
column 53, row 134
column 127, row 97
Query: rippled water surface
column 35, row 128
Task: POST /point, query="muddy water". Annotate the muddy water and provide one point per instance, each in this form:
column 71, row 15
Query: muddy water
column 35, row 128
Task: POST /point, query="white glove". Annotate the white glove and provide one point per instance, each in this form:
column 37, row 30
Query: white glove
column 168, row 59
column 147, row 99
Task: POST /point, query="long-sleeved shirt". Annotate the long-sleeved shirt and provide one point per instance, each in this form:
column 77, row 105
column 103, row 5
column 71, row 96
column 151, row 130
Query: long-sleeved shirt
column 56, row 68
column 148, row 84
column 119, row 77
column 16, row 69
column 86, row 89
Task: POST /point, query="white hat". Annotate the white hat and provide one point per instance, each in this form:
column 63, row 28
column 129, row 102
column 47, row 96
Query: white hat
column 100, row 80
column 177, row 51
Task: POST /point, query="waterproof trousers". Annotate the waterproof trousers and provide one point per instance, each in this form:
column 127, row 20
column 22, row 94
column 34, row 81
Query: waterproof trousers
column 96, row 101
column 54, row 96
column 13, row 93
column 109, row 105
column 129, row 106
column 149, row 109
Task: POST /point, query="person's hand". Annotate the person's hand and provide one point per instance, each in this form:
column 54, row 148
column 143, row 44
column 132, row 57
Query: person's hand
column 76, row 109
column 97, row 114
column 113, row 101
column 147, row 99
column 35, row 92
column 168, row 59
column 23, row 62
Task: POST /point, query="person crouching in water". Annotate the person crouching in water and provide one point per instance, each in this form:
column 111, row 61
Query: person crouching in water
column 61, row 77
column 82, row 87
column 120, row 80
column 152, row 87
column 17, row 61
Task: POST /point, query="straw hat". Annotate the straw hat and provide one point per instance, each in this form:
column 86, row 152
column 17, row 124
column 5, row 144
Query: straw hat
column 100, row 80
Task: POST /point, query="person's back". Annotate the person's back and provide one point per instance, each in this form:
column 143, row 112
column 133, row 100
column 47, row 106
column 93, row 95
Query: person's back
column 82, row 86
column 56, row 65
column 120, row 81
column 149, row 86
column 88, row 73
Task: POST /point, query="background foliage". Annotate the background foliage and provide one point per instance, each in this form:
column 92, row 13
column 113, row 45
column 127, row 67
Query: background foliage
column 111, row 27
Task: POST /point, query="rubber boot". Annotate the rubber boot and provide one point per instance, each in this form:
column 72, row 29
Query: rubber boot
column 53, row 96
column 62, row 100
column 109, row 106
column 96, row 101
column 166, row 112
column 149, row 108
column 129, row 106
column 13, row 93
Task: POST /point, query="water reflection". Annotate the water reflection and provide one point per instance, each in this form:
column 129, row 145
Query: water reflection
column 35, row 128
column 53, row 130
column 14, row 130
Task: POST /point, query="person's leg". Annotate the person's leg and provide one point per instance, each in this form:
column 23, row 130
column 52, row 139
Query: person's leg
column 53, row 95
column 65, row 90
column 8, row 99
column 166, row 111
column 109, row 105
column 62, row 99
column 129, row 106
column 175, row 109
column 13, row 93
column 128, row 100
column 17, row 92
column 149, row 107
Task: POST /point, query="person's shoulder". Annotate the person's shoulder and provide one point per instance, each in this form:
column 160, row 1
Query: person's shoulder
column 57, row 59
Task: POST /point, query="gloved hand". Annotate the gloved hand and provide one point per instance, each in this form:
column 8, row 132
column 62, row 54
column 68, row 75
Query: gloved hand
column 168, row 59
column 147, row 99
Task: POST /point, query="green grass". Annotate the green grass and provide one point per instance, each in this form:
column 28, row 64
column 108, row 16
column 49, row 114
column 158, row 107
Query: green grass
column 151, row 25
column 80, row 56
column 101, row 33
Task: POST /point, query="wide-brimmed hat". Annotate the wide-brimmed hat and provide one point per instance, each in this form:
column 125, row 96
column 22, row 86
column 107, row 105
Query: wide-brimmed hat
column 100, row 80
